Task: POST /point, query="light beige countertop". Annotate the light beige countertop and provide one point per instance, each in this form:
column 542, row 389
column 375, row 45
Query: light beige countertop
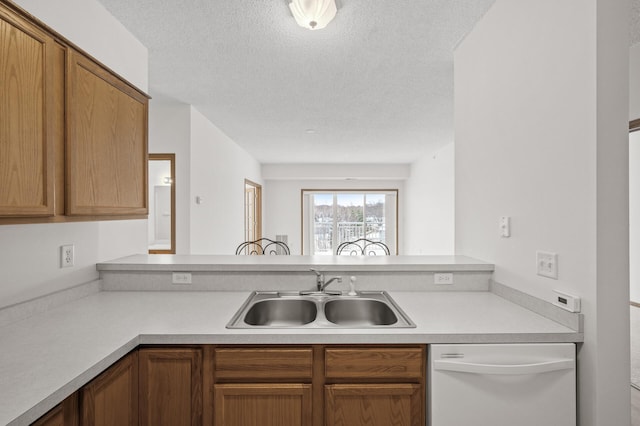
column 294, row 263
column 48, row 356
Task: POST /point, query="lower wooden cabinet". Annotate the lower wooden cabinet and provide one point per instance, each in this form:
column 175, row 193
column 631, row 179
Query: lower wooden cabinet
column 320, row 385
column 398, row 404
column 170, row 386
column 111, row 399
column 264, row 404
column 300, row 385
column 63, row 414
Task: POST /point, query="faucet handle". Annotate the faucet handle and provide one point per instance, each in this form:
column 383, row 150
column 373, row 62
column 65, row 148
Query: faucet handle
column 352, row 286
column 315, row 271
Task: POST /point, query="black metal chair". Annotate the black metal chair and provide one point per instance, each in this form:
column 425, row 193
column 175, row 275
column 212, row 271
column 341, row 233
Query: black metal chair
column 362, row 247
column 263, row 246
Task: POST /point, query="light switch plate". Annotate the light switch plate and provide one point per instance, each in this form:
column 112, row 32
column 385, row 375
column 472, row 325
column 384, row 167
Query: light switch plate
column 547, row 264
column 505, row 226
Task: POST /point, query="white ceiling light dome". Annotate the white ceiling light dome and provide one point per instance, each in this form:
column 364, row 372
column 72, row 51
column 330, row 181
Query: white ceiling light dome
column 313, row 14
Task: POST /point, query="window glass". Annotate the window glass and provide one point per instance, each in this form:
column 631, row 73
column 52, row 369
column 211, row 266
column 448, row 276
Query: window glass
column 333, row 218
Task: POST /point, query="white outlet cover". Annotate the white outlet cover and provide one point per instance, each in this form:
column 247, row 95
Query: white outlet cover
column 181, row 278
column 67, row 256
column 443, row 278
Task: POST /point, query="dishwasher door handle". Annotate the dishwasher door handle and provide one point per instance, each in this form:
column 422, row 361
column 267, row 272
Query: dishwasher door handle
column 505, row 369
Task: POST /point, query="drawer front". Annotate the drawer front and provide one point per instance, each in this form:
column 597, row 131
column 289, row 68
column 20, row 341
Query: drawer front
column 372, row 363
column 268, row 363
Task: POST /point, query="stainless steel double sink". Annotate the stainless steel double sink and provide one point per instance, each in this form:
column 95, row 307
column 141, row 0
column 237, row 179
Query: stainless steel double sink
column 271, row 309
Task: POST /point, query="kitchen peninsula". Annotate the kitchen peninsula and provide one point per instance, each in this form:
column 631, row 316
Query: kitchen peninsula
column 50, row 355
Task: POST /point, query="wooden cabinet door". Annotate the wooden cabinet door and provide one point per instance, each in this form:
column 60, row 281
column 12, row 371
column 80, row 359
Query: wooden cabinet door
column 27, row 162
column 63, row 414
column 405, row 363
column 106, row 149
column 373, row 405
column 111, row 399
column 264, row 404
column 171, row 389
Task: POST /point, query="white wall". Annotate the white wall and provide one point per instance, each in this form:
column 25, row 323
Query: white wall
column 429, row 205
column 541, row 107
column 30, row 253
column 634, row 216
column 88, row 25
column 282, row 204
column 634, row 175
column 218, row 170
column 170, row 133
column 634, row 82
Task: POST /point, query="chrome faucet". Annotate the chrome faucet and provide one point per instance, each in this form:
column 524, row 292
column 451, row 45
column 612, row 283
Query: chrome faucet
column 322, row 285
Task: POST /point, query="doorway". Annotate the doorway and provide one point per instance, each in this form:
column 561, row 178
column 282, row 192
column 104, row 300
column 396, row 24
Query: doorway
column 162, row 204
column 252, row 211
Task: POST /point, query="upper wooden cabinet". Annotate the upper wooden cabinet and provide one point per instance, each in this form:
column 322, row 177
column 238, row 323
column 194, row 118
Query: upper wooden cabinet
column 27, row 118
column 106, row 149
column 73, row 135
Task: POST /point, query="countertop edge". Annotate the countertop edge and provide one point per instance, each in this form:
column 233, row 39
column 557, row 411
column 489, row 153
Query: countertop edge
column 294, row 263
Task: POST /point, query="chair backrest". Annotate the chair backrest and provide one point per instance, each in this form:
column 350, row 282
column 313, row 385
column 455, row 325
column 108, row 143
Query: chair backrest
column 263, row 246
column 362, row 247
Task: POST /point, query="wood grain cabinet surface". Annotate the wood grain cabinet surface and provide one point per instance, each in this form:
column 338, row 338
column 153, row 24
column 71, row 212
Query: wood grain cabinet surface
column 64, row 414
column 27, row 162
column 261, row 385
column 171, row 386
column 73, row 134
column 398, row 404
column 111, row 399
column 264, row 363
column 320, row 385
column 106, row 149
column 375, row 386
column 263, row 404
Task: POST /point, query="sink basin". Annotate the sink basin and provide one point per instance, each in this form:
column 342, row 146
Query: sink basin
column 272, row 309
column 359, row 312
column 281, row 312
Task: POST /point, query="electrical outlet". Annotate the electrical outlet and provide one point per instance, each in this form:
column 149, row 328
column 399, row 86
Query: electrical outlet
column 443, row 278
column 181, row 278
column 547, row 264
column 66, row 256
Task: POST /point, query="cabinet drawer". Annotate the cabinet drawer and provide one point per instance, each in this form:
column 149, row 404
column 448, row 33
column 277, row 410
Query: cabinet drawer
column 375, row 362
column 268, row 363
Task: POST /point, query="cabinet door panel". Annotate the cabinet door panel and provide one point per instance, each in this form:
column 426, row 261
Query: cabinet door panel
column 170, row 387
column 64, row 414
column 264, row 404
column 27, row 163
column 373, row 405
column 106, row 151
column 111, row 399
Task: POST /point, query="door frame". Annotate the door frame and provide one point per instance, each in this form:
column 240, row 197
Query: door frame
column 172, row 160
column 257, row 210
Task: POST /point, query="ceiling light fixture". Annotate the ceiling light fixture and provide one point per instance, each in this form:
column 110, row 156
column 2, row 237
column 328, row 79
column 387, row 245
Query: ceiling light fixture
column 313, row 14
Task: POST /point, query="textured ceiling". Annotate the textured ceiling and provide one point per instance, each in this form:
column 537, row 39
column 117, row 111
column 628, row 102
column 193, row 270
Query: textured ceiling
column 374, row 86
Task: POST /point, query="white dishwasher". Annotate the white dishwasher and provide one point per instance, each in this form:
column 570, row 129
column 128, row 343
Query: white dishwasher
column 502, row 385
